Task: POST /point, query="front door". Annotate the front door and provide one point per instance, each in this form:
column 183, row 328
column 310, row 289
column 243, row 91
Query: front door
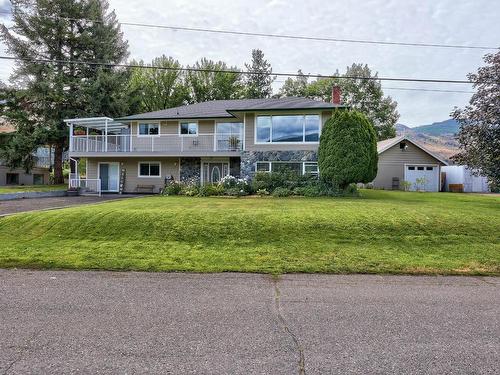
column 213, row 172
column 109, row 173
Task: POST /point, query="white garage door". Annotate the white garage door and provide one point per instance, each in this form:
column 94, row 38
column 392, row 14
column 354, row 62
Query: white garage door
column 422, row 177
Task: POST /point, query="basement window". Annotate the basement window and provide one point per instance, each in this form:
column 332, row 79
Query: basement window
column 149, row 169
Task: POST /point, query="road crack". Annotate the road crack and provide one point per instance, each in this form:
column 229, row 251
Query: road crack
column 284, row 323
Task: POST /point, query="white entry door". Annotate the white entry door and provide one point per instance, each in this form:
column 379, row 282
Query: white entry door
column 109, row 173
column 422, row 177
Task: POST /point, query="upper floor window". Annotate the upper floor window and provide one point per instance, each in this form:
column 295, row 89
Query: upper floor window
column 287, row 129
column 149, row 129
column 188, row 128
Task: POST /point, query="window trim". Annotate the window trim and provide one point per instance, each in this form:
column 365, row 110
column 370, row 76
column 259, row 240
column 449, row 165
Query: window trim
column 189, row 122
column 148, row 123
column 270, row 165
column 303, row 142
column 148, row 162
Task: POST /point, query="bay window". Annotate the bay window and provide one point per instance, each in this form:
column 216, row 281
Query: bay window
column 287, row 129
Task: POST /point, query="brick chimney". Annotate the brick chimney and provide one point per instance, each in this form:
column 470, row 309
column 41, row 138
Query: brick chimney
column 336, row 95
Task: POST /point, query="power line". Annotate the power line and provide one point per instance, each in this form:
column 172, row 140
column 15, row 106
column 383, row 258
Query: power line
column 429, row 90
column 188, row 69
column 288, row 36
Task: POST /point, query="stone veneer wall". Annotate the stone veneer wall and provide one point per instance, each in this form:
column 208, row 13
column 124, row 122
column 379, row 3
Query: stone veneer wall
column 190, row 169
column 249, row 158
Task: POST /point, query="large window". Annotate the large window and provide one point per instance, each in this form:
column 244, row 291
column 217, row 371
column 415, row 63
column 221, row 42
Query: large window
column 298, row 167
column 149, row 129
column 188, row 128
column 12, row 178
column 149, row 169
column 287, row 129
column 38, row 179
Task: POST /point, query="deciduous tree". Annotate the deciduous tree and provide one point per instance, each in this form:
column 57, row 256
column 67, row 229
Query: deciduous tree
column 479, row 135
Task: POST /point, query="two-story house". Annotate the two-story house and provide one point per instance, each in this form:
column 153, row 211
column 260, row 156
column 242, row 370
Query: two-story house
column 204, row 141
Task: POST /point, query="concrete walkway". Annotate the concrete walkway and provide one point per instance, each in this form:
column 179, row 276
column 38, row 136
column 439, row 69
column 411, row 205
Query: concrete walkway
column 104, row 322
column 34, row 204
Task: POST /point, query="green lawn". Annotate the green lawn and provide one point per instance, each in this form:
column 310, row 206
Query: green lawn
column 381, row 232
column 26, row 188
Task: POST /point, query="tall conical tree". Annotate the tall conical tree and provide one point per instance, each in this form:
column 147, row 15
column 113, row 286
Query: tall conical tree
column 66, row 30
column 258, row 81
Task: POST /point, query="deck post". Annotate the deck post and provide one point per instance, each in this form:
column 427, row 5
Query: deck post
column 106, row 135
column 71, row 136
column 87, row 140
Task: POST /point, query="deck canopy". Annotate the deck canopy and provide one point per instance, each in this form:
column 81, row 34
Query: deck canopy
column 98, row 123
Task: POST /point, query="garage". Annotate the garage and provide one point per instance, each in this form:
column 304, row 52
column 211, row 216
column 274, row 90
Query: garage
column 422, row 177
column 403, row 164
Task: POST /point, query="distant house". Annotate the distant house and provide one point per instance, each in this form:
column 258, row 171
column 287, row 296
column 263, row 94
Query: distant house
column 401, row 159
column 18, row 176
column 202, row 142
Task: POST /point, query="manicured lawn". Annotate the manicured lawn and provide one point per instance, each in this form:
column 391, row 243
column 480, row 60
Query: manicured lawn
column 26, row 188
column 381, row 232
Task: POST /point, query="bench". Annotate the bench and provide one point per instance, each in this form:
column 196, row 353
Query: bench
column 145, row 189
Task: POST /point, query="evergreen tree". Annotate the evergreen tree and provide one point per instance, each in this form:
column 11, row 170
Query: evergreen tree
column 66, row 30
column 214, row 83
column 479, row 135
column 365, row 95
column 347, row 149
column 258, row 81
column 157, row 89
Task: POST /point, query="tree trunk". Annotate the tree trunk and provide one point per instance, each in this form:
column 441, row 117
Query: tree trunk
column 58, row 164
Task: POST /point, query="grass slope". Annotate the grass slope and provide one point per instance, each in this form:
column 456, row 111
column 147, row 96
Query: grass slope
column 382, row 232
column 26, row 188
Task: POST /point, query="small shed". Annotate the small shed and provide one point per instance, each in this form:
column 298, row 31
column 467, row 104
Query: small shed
column 461, row 175
column 401, row 159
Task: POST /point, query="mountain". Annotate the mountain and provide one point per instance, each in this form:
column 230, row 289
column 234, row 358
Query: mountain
column 438, row 137
column 438, row 128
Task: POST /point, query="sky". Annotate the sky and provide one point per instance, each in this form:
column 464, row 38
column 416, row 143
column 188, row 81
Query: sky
column 465, row 22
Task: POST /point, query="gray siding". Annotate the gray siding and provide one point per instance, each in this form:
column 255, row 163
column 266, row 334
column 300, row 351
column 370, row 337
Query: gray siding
column 24, row 178
column 391, row 163
column 169, row 166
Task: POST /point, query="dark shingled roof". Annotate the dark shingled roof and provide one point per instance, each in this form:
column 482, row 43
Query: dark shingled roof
column 223, row 108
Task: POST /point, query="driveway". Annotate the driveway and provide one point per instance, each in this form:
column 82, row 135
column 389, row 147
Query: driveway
column 33, row 204
column 104, row 322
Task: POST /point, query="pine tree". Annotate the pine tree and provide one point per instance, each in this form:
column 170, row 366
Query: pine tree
column 258, row 81
column 64, row 30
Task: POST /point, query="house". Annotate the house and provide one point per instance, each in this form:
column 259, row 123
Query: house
column 401, row 159
column 203, row 142
column 18, row 176
column 461, row 178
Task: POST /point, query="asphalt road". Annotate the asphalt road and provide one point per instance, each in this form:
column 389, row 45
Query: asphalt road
column 104, row 322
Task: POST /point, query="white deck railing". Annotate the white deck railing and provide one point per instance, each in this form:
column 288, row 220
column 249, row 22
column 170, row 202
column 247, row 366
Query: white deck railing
column 159, row 143
column 87, row 186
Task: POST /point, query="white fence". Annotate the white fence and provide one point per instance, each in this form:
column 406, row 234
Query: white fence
column 156, row 143
column 87, row 186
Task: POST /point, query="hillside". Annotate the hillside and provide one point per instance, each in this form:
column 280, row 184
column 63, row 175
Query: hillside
column 438, row 137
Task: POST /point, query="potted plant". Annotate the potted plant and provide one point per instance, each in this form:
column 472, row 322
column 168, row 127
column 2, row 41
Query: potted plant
column 79, row 132
column 233, row 143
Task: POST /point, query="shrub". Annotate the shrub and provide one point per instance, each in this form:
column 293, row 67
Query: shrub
column 235, row 192
column 282, row 192
column 348, row 149
column 231, row 182
column 173, row 188
column 406, row 185
column 262, row 192
column 285, row 179
column 208, row 190
column 308, row 191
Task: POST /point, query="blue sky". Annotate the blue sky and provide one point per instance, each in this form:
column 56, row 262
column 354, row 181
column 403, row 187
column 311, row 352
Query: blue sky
column 473, row 22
